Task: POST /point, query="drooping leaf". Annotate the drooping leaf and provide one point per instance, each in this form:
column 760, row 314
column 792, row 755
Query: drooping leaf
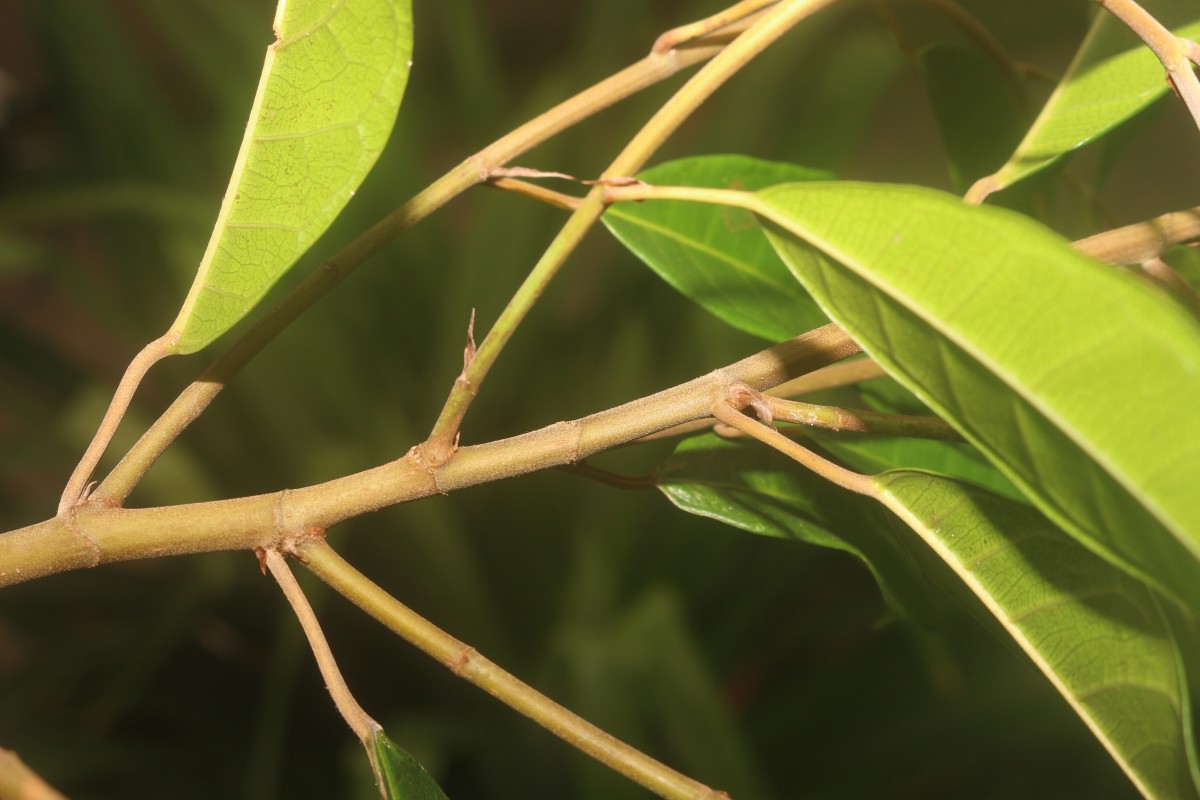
column 1096, row 633
column 1074, row 378
column 758, row 490
column 718, row 256
column 398, row 774
column 975, row 107
column 326, row 101
column 1112, row 77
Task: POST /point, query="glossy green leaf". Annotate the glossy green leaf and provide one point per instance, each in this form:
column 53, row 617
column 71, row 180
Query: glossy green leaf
column 975, row 106
column 1096, row 633
column 718, row 256
column 326, row 101
column 761, row 491
column 1112, row 77
column 398, row 774
column 1074, row 378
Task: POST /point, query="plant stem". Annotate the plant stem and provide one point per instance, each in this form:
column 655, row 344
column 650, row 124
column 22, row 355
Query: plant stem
column 1143, row 241
column 843, row 373
column 360, row 722
column 646, row 72
column 726, row 413
column 859, row 420
column 540, row 193
column 465, row 662
column 20, row 782
column 1175, row 53
column 76, row 489
column 440, row 445
column 93, row 534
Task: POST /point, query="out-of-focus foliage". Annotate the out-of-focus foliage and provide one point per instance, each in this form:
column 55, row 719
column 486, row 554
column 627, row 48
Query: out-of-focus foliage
column 760, row 666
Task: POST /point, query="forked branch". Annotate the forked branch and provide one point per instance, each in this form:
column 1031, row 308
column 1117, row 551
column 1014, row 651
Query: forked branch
column 470, row 665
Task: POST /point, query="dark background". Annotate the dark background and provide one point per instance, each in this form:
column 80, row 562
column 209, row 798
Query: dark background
column 762, row 667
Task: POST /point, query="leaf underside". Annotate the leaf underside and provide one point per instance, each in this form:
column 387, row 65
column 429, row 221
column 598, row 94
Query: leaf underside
column 1096, row 633
column 326, row 102
column 1113, row 77
column 1017, row 340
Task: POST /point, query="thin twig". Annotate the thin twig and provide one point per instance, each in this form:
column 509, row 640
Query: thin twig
column 646, row 72
column 859, row 420
column 75, row 491
column 1143, row 241
column 97, row 534
column 19, row 782
column 1175, row 53
column 364, row 727
column 727, row 413
column 467, row 663
column 634, row 483
column 440, row 445
column 540, row 193
column 709, row 25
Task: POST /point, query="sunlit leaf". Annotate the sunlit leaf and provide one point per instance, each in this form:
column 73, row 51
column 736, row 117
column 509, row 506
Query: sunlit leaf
column 758, row 490
column 718, row 256
column 1071, row 376
column 1096, row 633
column 328, row 96
column 399, row 775
column 1113, row 76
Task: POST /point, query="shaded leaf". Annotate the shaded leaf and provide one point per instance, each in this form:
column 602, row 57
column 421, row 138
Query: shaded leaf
column 1096, row 633
column 975, row 108
column 1112, row 77
column 1068, row 374
column 761, row 491
column 398, row 774
column 326, row 102
column 718, row 256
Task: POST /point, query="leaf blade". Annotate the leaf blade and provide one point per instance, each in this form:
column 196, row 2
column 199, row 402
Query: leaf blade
column 1000, row 327
column 326, row 101
column 398, row 774
column 715, row 256
column 1097, row 634
column 1112, row 78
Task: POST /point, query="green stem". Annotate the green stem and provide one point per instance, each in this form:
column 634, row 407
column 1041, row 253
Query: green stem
column 440, row 446
column 465, row 662
column 646, row 72
column 92, row 533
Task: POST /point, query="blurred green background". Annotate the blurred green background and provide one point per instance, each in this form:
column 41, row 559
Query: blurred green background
column 761, row 667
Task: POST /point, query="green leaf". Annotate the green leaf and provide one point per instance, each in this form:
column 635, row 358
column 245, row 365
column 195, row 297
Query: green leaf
column 718, row 256
column 1097, row 634
column 1076, row 379
column 761, row 491
column 327, row 99
column 975, row 108
column 398, row 774
column 1112, row 77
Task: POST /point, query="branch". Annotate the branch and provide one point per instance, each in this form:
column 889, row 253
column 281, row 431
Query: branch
column 20, row 782
column 465, row 662
column 652, row 69
column 1143, row 241
column 1176, row 54
column 92, row 533
column 442, row 440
